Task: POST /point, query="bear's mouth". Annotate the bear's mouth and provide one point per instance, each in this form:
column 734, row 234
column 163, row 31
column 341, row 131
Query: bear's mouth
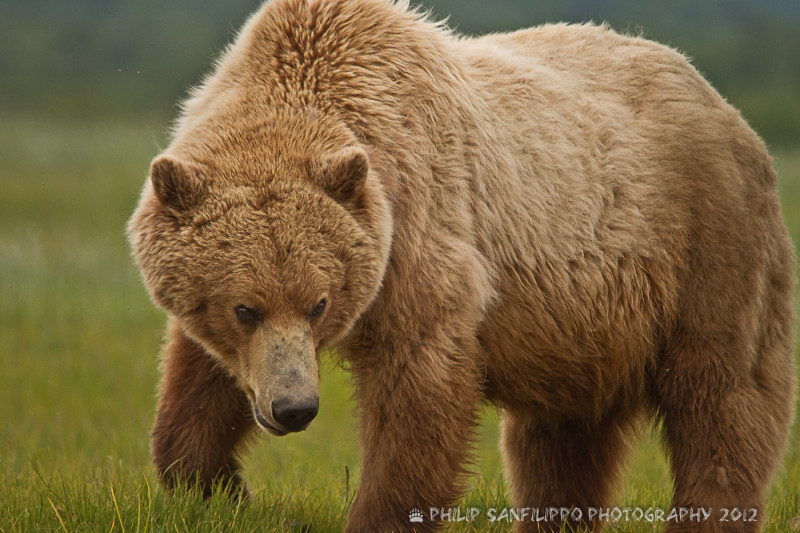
column 262, row 421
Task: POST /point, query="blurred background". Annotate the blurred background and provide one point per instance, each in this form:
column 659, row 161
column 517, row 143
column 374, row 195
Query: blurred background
column 88, row 89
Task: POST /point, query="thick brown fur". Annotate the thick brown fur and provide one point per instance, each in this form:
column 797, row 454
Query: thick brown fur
column 569, row 223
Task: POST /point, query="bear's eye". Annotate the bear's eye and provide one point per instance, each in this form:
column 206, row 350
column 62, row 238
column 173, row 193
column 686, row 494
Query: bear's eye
column 319, row 308
column 247, row 315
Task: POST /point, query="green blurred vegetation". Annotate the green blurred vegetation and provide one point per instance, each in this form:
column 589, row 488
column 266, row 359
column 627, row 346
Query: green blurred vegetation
column 88, row 58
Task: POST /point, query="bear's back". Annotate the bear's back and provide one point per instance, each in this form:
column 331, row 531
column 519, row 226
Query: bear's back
column 622, row 178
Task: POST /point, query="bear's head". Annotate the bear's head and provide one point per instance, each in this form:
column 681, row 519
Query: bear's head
column 265, row 248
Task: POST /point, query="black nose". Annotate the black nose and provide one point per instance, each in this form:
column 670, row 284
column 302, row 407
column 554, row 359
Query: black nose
column 294, row 415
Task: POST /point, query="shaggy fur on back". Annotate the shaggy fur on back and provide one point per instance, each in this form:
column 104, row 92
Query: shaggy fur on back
column 563, row 221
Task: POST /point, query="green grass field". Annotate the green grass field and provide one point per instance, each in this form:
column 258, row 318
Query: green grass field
column 78, row 350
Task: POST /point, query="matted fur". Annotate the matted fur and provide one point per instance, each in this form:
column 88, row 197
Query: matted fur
column 566, row 222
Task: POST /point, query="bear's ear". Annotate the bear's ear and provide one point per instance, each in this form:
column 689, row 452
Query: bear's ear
column 344, row 172
column 177, row 184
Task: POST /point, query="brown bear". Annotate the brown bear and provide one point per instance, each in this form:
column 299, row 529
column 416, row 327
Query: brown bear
column 568, row 223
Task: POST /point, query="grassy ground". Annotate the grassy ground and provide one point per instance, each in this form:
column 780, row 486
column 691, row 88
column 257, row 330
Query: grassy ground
column 78, row 345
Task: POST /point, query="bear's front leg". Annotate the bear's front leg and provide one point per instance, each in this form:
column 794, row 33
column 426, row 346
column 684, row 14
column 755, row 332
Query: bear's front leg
column 202, row 417
column 419, row 411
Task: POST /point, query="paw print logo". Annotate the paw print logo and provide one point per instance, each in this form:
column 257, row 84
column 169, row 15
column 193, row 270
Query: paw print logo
column 415, row 515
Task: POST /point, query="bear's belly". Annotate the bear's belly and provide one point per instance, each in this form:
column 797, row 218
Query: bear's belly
column 537, row 362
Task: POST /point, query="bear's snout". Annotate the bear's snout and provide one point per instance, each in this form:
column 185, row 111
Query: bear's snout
column 289, row 415
column 295, row 415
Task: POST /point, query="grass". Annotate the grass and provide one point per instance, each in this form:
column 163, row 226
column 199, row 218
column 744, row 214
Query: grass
column 78, row 351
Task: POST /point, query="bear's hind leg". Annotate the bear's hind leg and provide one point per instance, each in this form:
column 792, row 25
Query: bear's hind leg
column 562, row 464
column 725, row 427
column 202, row 417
